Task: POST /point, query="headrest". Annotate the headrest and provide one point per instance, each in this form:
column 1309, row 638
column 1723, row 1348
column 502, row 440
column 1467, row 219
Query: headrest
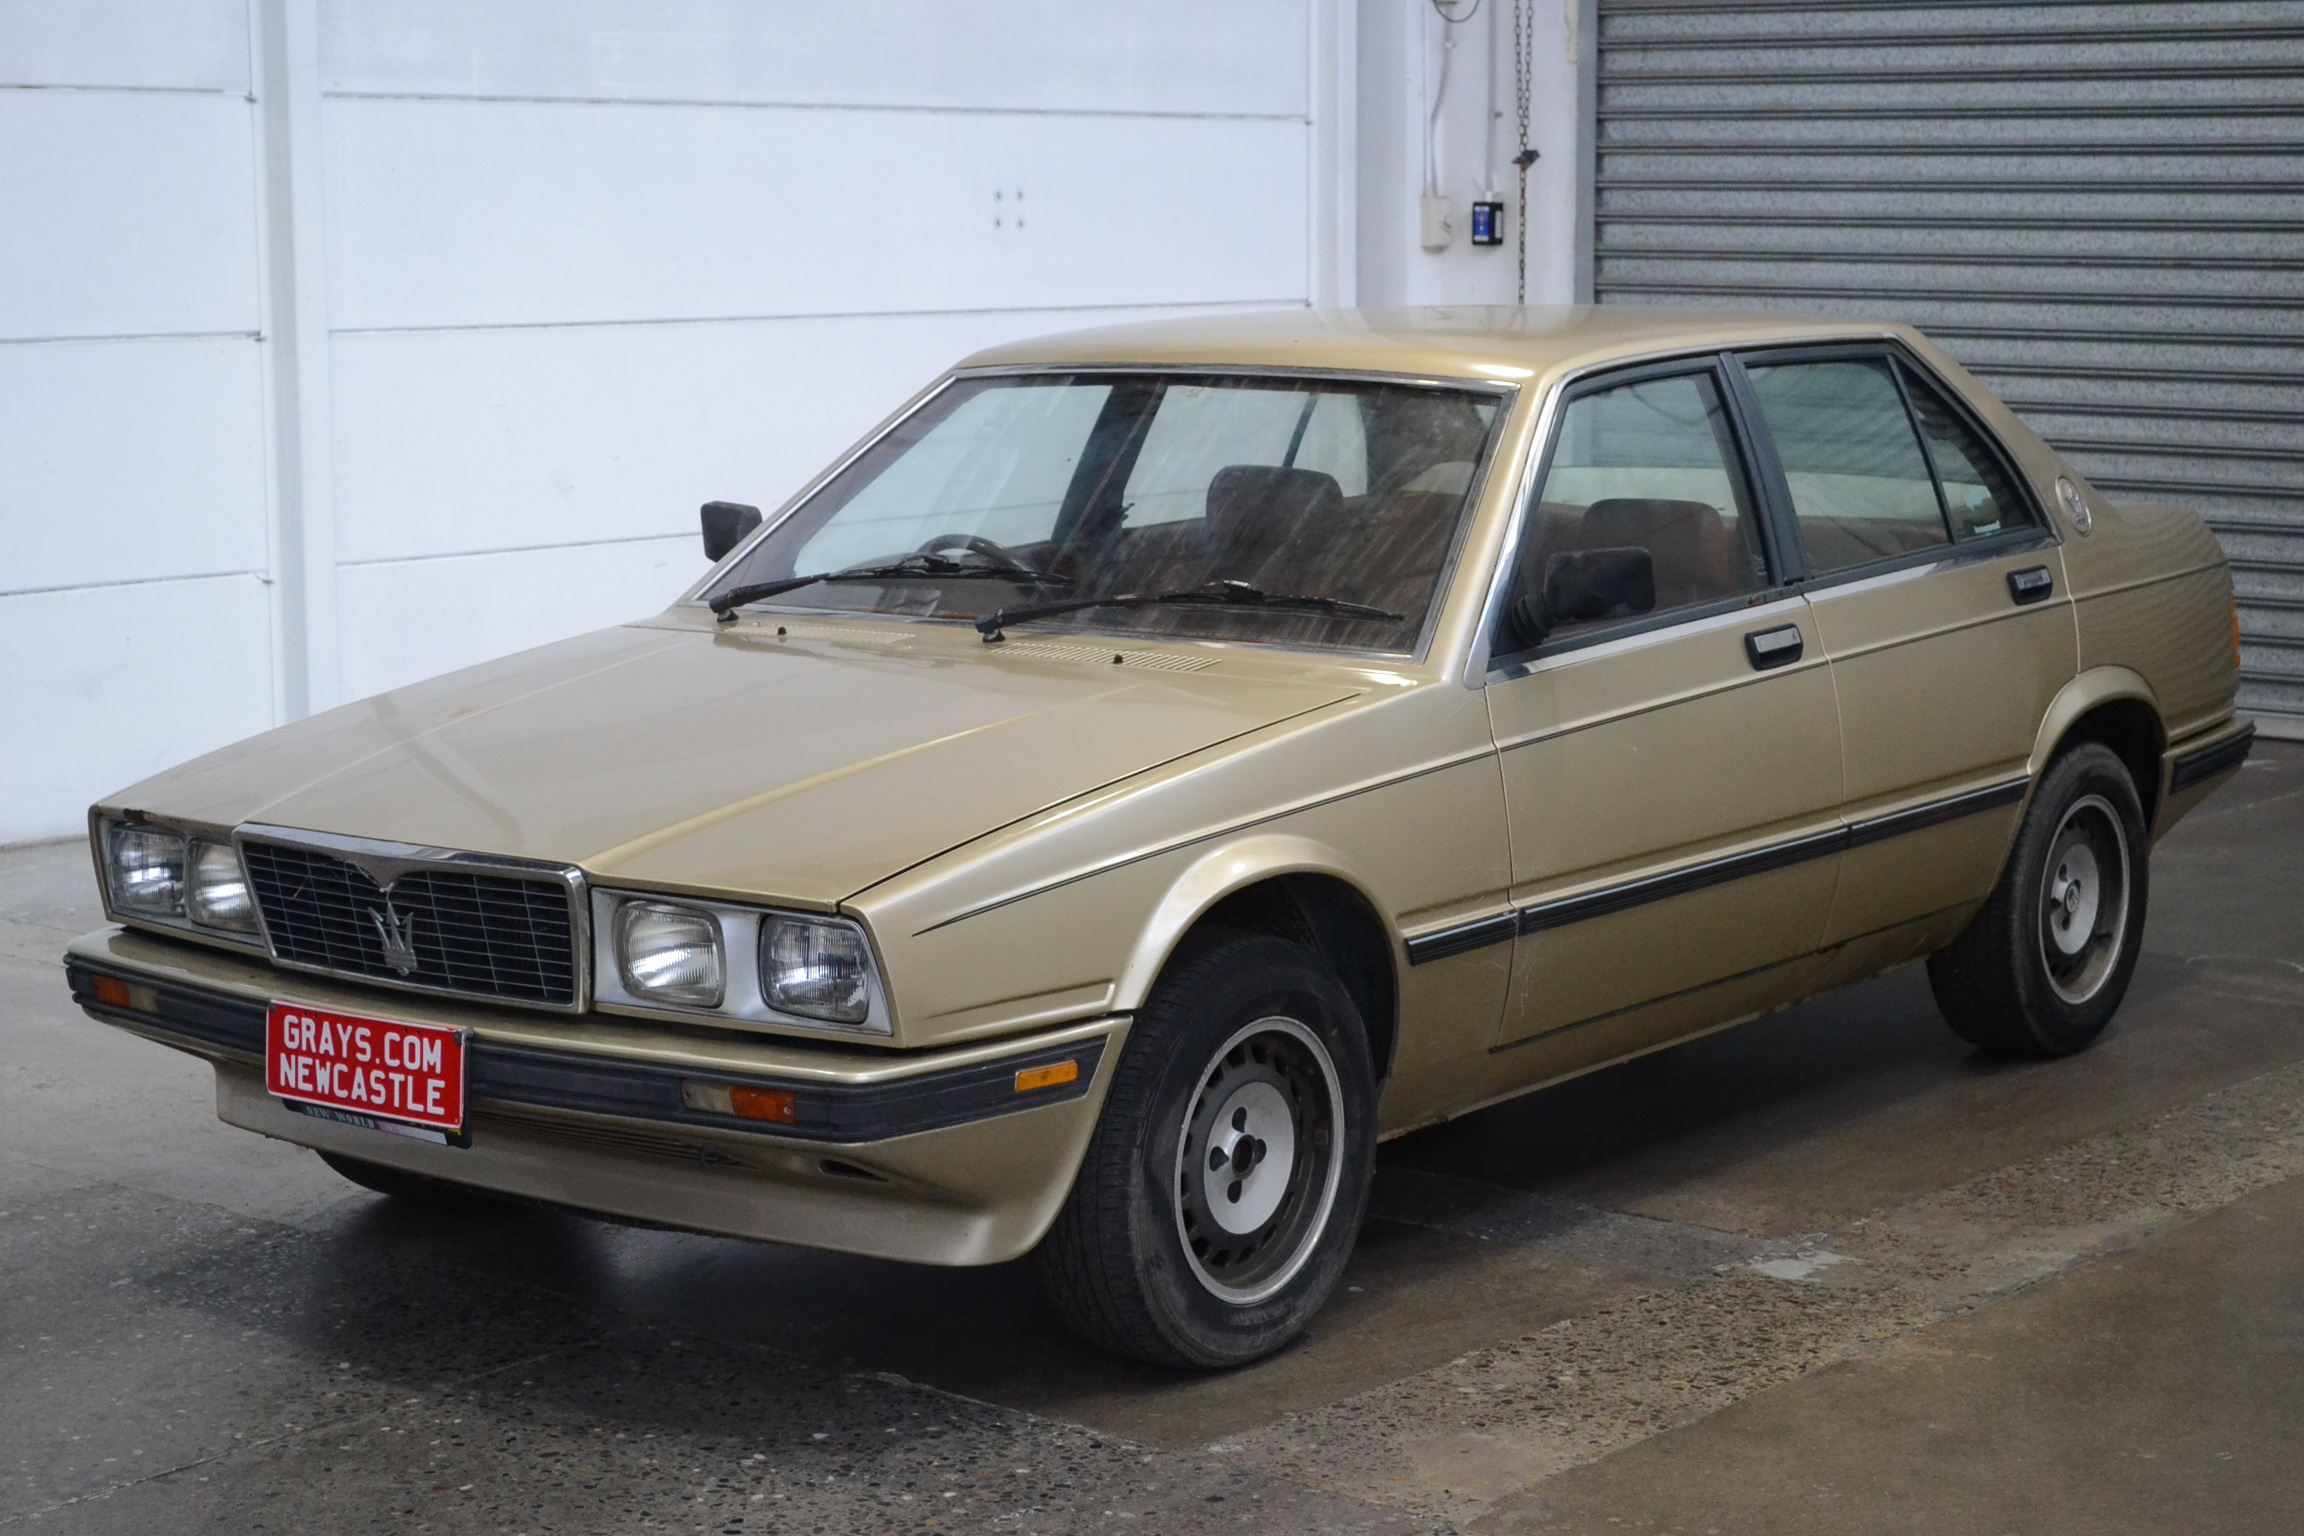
column 1243, row 498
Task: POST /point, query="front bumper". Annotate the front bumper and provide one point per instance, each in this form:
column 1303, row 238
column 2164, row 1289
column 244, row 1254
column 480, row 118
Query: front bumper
column 933, row 1157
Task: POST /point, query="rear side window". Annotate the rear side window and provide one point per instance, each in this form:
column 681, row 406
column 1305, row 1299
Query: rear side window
column 1644, row 508
column 1978, row 496
column 1859, row 478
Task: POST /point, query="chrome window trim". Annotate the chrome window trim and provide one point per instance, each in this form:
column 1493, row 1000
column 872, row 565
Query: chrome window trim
column 1774, row 354
column 376, row 856
column 1480, row 668
column 1757, row 608
column 1927, row 562
column 693, row 598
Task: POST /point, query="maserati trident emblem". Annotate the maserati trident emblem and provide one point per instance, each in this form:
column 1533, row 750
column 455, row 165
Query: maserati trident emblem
column 398, row 931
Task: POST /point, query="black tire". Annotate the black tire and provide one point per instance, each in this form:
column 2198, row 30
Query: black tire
column 414, row 1188
column 2042, row 968
column 1190, row 1266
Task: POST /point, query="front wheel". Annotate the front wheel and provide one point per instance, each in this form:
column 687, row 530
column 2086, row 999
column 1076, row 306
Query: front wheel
column 2043, row 967
column 1224, row 1187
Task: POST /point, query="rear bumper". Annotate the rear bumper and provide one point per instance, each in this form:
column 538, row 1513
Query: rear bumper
column 2194, row 765
column 932, row 1157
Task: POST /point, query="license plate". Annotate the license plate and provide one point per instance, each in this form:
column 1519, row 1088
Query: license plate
column 365, row 1068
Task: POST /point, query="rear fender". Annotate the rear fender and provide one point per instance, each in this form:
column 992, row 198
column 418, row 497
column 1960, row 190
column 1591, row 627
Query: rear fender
column 2091, row 690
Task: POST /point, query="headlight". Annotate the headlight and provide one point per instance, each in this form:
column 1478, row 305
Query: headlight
column 217, row 896
column 817, row 967
column 670, row 953
column 145, row 866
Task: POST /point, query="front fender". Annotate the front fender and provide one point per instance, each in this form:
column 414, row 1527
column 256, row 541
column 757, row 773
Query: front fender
column 1217, row 873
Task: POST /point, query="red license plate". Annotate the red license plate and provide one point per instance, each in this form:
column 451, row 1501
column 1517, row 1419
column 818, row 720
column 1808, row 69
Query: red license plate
column 413, row 1073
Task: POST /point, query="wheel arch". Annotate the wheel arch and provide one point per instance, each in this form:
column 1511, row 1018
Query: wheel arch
column 2115, row 708
column 1294, row 888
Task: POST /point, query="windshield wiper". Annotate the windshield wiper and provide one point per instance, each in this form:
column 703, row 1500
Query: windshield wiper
column 929, row 567
column 1219, row 594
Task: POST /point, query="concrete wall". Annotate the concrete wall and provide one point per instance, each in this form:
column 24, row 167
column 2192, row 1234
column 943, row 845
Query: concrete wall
column 343, row 342
column 1423, row 79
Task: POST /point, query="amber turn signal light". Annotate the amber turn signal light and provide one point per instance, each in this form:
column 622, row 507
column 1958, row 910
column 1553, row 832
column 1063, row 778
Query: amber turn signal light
column 114, row 992
column 763, row 1104
column 1047, row 1077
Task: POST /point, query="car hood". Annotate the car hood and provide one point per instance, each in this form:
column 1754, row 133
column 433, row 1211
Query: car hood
column 802, row 769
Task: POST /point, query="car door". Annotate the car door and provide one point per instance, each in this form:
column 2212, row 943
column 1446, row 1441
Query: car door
column 1665, row 725
column 1937, row 590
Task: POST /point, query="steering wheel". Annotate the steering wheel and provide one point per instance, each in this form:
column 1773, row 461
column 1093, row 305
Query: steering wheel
column 976, row 544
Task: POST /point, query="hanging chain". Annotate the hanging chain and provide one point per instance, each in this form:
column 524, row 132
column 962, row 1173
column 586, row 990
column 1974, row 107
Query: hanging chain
column 1523, row 78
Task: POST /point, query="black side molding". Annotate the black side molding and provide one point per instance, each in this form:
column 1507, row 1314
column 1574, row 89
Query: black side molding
column 1679, row 882
column 1463, row 938
column 839, row 1114
column 2198, row 767
column 1935, row 813
column 1481, row 932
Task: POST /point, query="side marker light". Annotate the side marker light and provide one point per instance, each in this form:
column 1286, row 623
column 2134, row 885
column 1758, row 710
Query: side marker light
column 1047, row 1077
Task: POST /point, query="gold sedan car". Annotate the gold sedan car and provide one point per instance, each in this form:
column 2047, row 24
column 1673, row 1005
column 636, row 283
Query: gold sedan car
column 1162, row 762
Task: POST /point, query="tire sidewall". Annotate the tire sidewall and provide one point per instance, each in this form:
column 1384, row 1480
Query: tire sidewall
column 1258, row 978
column 2087, row 770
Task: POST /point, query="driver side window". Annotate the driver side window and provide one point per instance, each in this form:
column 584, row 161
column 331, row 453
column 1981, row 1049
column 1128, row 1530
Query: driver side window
column 1644, row 507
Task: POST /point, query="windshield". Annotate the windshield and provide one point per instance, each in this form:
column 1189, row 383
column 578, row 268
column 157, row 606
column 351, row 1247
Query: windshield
column 1088, row 486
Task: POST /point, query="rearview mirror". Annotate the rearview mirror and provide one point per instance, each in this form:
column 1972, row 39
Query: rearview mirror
column 725, row 525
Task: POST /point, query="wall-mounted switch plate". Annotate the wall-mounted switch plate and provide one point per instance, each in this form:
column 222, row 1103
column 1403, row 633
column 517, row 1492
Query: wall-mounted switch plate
column 1438, row 230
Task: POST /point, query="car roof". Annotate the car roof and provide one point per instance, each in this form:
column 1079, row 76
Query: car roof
column 1454, row 342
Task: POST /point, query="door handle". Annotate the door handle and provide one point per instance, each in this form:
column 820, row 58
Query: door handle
column 2030, row 584
column 1774, row 647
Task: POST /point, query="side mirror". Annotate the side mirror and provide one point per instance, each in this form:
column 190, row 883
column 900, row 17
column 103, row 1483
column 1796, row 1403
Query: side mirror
column 1586, row 584
column 725, row 525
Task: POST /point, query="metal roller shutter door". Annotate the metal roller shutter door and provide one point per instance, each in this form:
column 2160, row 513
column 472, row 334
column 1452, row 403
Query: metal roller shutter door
column 2099, row 208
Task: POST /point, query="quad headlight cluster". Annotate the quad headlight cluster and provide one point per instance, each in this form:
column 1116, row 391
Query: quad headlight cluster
column 699, row 958
column 176, row 878
column 742, row 963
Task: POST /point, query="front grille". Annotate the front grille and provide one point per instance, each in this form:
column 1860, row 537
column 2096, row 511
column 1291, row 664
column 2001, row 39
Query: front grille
column 488, row 935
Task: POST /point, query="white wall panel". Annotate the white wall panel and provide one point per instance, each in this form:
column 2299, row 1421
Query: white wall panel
column 129, row 680
column 181, row 44
column 472, row 440
column 126, row 213
column 469, row 213
column 129, row 460
column 404, row 621
column 1176, row 56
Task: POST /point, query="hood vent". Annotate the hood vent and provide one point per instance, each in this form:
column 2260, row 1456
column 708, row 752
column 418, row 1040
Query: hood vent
column 771, row 630
column 1064, row 650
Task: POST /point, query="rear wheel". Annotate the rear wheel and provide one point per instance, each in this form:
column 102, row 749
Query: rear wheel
column 2043, row 967
column 1224, row 1187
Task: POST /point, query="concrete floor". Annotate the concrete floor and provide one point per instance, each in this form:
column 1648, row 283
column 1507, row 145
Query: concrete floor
column 1829, row 1272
